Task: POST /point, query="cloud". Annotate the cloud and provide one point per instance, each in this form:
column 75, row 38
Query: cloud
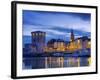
column 78, row 21
column 57, row 25
column 31, row 28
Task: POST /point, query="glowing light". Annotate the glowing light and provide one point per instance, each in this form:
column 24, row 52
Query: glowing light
column 89, row 60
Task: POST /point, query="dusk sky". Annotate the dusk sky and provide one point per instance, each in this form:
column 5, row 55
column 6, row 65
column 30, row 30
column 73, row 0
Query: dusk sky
column 57, row 25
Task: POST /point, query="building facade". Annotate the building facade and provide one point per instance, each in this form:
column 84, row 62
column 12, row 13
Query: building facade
column 38, row 41
column 78, row 44
column 55, row 45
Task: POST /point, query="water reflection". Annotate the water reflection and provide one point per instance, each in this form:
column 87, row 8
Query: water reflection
column 54, row 62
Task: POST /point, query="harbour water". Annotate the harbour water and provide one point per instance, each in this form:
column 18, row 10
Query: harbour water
column 55, row 62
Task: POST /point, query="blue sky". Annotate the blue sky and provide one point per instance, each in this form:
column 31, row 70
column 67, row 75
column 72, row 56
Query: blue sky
column 56, row 24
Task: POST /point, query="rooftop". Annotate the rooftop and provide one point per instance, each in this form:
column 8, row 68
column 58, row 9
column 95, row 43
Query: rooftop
column 38, row 32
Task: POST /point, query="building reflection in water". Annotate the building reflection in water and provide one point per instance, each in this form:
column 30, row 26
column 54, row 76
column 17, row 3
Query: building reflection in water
column 55, row 62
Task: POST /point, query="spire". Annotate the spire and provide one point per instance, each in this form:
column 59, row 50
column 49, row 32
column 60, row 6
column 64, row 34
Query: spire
column 72, row 36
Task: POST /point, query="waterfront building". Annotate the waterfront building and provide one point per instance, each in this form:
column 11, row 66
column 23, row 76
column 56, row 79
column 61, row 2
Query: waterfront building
column 89, row 43
column 50, row 46
column 71, row 46
column 38, row 41
column 50, row 43
column 59, row 45
column 78, row 44
column 56, row 45
column 83, row 42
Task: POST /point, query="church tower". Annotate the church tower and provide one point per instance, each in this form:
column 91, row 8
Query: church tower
column 72, row 36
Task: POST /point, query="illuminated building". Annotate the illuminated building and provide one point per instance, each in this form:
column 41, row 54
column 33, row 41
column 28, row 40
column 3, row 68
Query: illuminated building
column 89, row 43
column 83, row 42
column 38, row 41
column 71, row 45
column 50, row 46
column 78, row 44
column 59, row 45
column 56, row 45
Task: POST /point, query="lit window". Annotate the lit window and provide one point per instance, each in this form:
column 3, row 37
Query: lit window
column 61, row 43
column 78, row 41
column 89, row 42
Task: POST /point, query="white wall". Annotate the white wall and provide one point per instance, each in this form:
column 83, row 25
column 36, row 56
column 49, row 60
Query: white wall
column 5, row 43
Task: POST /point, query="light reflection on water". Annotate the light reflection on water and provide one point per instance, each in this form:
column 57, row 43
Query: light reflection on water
column 55, row 62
